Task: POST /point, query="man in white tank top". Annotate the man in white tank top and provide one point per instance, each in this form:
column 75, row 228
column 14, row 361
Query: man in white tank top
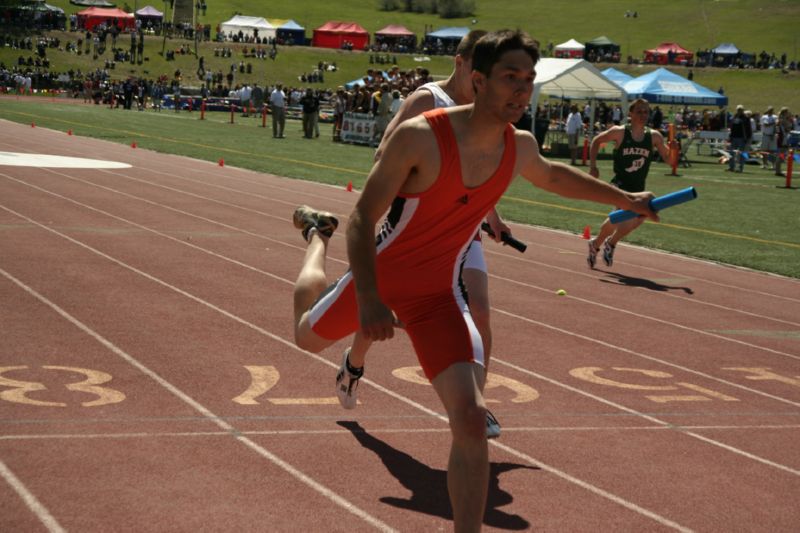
column 455, row 90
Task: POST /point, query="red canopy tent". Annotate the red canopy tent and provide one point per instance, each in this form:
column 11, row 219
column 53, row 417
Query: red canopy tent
column 334, row 34
column 93, row 16
column 661, row 54
column 396, row 34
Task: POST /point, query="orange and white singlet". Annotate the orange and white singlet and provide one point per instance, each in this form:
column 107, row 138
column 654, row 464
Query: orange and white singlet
column 420, row 250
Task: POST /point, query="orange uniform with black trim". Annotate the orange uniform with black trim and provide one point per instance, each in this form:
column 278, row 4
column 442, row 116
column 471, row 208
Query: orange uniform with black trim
column 420, row 250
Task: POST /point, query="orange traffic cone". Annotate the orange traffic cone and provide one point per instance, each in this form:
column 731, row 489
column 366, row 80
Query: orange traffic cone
column 587, row 233
column 349, row 187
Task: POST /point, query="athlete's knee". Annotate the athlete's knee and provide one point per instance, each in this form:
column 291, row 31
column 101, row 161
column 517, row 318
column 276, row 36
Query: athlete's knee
column 306, row 339
column 469, row 423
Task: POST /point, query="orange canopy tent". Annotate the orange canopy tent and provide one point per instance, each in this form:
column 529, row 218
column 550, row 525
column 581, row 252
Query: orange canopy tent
column 661, row 54
column 93, row 16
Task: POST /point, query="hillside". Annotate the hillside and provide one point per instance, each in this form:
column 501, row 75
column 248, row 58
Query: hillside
column 695, row 24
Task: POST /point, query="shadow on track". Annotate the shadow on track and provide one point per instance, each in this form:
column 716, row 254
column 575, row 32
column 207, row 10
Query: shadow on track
column 629, row 281
column 428, row 486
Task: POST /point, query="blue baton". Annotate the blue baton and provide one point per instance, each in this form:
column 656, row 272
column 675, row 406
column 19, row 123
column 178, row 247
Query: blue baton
column 656, row 204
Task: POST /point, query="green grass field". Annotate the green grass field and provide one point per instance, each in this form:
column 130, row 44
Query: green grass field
column 739, row 219
column 753, row 25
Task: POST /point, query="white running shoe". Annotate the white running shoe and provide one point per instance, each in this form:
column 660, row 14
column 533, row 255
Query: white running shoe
column 347, row 384
column 492, row 426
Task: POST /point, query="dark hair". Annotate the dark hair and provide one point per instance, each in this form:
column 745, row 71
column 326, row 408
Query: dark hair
column 492, row 46
column 467, row 43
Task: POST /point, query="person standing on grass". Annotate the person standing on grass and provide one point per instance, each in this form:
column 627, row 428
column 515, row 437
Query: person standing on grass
column 769, row 138
column 574, row 129
column 634, row 147
column 277, row 108
column 784, row 130
column 740, row 135
column 439, row 175
column 456, row 89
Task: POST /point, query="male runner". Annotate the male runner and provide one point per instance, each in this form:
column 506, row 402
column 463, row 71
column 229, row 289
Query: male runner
column 633, row 152
column 439, row 176
column 455, row 90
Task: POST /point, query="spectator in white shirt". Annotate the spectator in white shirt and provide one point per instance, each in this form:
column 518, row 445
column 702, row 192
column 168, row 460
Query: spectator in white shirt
column 574, row 130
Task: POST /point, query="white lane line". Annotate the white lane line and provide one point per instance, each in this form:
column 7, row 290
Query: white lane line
column 381, row 431
column 30, row 500
column 651, row 418
column 651, row 318
column 534, row 462
column 665, row 294
column 291, row 283
column 343, row 217
column 69, row 148
column 263, row 452
column 640, row 354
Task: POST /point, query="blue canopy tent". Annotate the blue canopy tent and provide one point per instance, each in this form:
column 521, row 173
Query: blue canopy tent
column 617, row 76
column 445, row 40
column 290, row 32
column 664, row 87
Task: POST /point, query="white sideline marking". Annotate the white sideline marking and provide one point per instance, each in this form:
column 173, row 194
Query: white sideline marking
column 19, row 159
column 563, row 475
column 383, row 431
column 30, row 500
column 263, row 452
column 290, row 282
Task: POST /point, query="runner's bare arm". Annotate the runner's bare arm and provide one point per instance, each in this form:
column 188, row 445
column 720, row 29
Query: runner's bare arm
column 389, row 175
column 570, row 182
column 661, row 146
column 415, row 104
column 613, row 134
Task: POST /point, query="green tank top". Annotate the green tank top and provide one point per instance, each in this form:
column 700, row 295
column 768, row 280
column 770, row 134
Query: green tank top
column 632, row 161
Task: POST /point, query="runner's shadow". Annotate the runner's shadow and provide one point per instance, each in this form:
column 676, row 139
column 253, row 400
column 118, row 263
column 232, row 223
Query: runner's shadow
column 629, row 281
column 428, row 485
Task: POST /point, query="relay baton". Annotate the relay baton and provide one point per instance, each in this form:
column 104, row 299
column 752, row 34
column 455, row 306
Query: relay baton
column 506, row 238
column 656, row 204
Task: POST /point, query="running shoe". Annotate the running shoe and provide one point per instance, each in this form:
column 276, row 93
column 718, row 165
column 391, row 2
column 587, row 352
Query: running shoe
column 492, row 426
column 608, row 253
column 305, row 218
column 592, row 257
column 347, row 383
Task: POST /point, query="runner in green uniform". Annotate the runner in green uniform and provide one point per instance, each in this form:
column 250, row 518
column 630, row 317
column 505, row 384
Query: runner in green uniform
column 634, row 145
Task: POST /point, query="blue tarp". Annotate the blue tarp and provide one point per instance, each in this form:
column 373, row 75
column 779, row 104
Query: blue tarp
column 617, row 76
column 664, row 87
column 448, row 33
column 727, row 49
column 360, row 81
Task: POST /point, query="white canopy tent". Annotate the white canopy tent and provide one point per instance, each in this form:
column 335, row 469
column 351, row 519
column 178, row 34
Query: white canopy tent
column 576, row 79
column 248, row 25
column 571, row 49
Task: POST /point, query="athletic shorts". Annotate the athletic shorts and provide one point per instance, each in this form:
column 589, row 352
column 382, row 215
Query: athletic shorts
column 439, row 325
column 572, row 140
column 769, row 143
column 475, row 259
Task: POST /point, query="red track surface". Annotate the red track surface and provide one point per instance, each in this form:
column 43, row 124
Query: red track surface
column 663, row 394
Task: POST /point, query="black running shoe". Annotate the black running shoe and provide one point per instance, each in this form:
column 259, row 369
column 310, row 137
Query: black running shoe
column 592, row 257
column 305, row 218
column 608, row 253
